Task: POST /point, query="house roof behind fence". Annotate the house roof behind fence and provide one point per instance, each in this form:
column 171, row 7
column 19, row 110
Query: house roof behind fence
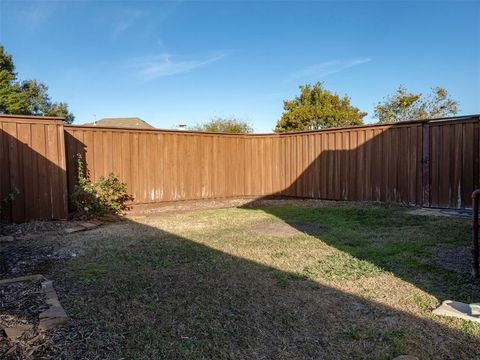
column 130, row 122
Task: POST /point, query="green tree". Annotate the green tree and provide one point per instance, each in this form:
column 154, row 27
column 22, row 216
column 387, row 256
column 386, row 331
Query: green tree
column 224, row 125
column 29, row 97
column 317, row 108
column 404, row 105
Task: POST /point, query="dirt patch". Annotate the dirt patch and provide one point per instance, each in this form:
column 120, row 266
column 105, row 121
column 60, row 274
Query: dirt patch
column 461, row 213
column 281, row 229
column 32, row 227
column 184, row 206
column 453, row 258
column 27, row 258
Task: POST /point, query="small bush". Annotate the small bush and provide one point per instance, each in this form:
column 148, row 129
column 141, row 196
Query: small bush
column 108, row 196
column 7, row 200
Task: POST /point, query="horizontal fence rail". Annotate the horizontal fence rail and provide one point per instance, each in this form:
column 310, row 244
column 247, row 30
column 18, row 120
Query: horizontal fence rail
column 432, row 163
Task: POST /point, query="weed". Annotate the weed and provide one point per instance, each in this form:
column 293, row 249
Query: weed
column 91, row 273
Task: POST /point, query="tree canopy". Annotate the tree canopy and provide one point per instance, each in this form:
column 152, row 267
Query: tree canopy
column 317, row 108
column 28, row 97
column 224, row 125
column 404, row 105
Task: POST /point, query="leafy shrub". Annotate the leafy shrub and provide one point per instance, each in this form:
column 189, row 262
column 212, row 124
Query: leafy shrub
column 108, row 196
column 7, row 200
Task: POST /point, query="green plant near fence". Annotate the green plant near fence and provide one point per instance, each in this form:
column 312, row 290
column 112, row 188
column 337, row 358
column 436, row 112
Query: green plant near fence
column 108, row 196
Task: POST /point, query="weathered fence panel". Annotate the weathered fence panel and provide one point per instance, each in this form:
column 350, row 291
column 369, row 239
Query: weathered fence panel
column 32, row 163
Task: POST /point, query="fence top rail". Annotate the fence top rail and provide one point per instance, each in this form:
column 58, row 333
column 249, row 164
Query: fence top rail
column 60, row 120
column 293, row 133
column 31, row 119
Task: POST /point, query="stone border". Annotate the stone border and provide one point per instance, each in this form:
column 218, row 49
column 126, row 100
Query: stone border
column 37, row 277
column 55, row 315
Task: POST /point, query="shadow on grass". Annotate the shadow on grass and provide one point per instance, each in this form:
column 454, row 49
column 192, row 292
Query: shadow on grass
column 141, row 292
column 431, row 253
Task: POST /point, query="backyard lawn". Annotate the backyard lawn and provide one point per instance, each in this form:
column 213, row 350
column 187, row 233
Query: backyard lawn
column 270, row 280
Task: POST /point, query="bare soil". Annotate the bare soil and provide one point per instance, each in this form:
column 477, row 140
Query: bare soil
column 453, row 258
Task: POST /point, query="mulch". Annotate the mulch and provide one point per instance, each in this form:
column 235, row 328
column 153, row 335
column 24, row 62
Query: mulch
column 20, row 304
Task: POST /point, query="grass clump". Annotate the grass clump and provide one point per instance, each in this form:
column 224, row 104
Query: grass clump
column 92, row 273
column 341, row 266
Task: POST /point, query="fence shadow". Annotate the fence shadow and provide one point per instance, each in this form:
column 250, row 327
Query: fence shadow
column 424, row 164
column 30, row 173
column 391, row 166
column 142, row 292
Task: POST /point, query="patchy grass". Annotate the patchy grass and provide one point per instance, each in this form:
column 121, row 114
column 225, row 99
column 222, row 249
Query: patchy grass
column 207, row 285
column 341, row 266
column 91, row 273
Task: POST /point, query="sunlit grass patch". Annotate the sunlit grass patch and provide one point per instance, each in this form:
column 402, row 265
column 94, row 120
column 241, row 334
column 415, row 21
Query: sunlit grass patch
column 341, row 266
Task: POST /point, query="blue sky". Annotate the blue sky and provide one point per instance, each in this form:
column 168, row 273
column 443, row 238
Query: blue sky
column 187, row 61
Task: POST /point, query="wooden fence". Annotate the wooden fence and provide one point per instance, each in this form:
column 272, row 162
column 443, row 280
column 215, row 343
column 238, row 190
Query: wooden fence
column 32, row 162
column 431, row 163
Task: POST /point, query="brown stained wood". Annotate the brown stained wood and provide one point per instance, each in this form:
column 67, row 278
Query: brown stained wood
column 107, row 138
column 4, row 174
column 456, row 172
column 167, row 173
column 286, row 155
column 412, row 165
column 315, row 167
column 52, row 157
column 377, row 168
column 322, row 165
column 360, row 164
column 380, row 162
column 345, row 166
column 476, row 154
column 336, row 193
column 24, row 136
column 426, row 165
column 402, row 170
column 435, row 161
column 32, row 161
column 367, row 186
column 468, row 163
column 352, row 154
column 444, row 166
column 14, row 149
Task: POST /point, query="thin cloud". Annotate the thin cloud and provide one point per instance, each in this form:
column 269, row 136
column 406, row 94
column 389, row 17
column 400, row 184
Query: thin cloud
column 31, row 14
column 129, row 19
column 156, row 66
column 327, row 68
